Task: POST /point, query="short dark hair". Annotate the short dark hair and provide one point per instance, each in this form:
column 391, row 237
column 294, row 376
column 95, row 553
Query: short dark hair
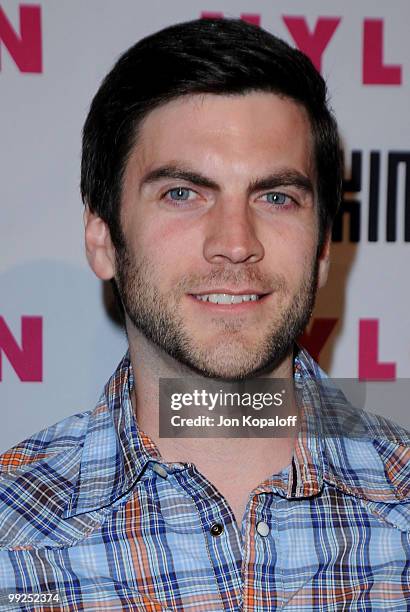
column 208, row 56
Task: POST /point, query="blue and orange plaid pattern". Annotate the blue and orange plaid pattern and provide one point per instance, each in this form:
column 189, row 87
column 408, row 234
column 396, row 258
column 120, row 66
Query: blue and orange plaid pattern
column 90, row 512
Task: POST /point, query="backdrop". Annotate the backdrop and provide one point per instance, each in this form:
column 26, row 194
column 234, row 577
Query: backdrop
column 58, row 342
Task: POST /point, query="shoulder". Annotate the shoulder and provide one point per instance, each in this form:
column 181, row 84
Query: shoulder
column 59, row 484
column 366, row 455
column 60, row 438
column 388, row 455
column 37, row 480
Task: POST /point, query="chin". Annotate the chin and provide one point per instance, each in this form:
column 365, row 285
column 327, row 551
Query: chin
column 237, row 364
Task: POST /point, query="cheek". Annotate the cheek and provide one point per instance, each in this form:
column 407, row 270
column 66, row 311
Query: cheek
column 169, row 250
column 291, row 256
column 148, row 237
column 290, row 242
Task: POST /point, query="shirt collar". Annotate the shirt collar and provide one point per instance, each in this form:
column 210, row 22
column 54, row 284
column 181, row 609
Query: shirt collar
column 360, row 454
column 373, row 467
column 115, row 451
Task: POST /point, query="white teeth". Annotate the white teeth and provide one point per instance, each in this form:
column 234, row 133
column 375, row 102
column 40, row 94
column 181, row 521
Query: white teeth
column 227, row 298
column 237, row 299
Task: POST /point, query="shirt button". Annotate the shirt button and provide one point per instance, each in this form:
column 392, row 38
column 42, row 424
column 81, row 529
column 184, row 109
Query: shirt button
column 217, row 529
column 262, row 528
column 160, row 470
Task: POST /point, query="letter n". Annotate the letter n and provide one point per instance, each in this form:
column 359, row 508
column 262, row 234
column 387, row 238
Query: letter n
column 27, row 360
column 25, row 48
column 397, row 158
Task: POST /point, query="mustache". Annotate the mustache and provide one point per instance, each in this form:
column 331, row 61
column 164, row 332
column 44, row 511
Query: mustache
column 265, row 283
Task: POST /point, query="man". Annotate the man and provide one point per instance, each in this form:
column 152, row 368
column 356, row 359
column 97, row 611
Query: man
column 211, row 176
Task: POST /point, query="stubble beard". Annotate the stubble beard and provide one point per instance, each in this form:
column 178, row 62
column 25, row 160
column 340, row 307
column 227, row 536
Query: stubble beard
column 232, row 358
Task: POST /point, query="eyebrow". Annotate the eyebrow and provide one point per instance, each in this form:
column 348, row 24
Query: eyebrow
column 179, row 173
column 287, row 177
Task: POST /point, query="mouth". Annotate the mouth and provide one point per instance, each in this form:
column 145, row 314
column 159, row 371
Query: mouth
column 229, row 301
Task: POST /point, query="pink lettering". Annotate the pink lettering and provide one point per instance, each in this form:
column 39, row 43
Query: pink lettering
column 375, row 72
column 26, row 361
column 369, row 366
column 316, row 338
column 25, row 48
column 251, row 18
column 211, row 15
column 313, row 43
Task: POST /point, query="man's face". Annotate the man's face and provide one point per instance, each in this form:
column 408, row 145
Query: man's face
column 219, row 200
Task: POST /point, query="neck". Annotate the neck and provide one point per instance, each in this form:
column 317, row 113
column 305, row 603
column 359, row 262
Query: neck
column 150, row 364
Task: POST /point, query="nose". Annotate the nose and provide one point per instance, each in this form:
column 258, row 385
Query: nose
column 231, row 236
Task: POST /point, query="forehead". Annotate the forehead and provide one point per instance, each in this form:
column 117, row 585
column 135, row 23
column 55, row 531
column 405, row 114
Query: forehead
column 249, row 133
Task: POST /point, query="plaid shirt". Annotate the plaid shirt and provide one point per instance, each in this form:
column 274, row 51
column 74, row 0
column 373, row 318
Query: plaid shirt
column 91, row 514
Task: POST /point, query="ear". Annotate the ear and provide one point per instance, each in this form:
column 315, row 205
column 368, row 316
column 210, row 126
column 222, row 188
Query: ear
column 99, row 248
column 324, row 260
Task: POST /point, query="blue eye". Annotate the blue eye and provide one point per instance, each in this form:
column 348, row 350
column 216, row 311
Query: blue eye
column 179, row 193
column 275, row 197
